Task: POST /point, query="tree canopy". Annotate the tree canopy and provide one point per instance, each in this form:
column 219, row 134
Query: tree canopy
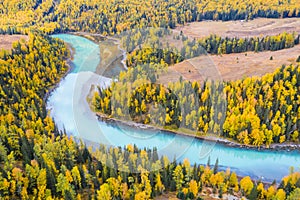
column 111, row 17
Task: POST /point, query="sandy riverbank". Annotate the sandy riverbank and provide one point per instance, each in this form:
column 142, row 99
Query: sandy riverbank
column 112, row 56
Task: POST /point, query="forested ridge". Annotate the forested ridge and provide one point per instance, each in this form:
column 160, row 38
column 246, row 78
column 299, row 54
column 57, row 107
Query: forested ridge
column 110, row 17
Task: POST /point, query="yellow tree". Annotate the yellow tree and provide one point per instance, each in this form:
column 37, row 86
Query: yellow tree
column 41, row 183
column 233, row 181
column 178, row 177
column 193, row 187
column 246, row 185
column 63, row 185
column 104, row 193
column 76, row 176
column 141, row 196
column 114, row 185
column 280, row 195
column 159, row 187
column 261, row 191
column 145, row 183
column 271, row 192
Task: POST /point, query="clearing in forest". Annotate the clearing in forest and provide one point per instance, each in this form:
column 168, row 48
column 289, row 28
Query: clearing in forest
column 6, row 41
column 230, row 66
column 253, row 28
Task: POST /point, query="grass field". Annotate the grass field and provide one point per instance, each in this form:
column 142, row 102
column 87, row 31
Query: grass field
column 6, row 41
column 230, row 66
column 252, row 28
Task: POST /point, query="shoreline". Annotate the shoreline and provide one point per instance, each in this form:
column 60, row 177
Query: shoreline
column 220, row 140
column 119, row 57
column 69, row 65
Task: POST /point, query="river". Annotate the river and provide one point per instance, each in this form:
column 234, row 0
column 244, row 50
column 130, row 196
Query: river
column 70, row 110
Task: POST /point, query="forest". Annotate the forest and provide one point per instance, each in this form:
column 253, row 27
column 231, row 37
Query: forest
column 255, row 111
column 39, row 162
column 111, row 17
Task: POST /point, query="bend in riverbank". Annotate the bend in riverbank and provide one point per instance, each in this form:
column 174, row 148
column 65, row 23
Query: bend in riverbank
column 112, row 56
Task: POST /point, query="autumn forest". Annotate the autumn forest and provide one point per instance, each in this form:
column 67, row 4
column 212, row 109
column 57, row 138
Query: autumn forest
column 39, row 160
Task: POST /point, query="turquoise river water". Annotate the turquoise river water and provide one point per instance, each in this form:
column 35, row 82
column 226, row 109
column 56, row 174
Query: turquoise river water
column 70, row 110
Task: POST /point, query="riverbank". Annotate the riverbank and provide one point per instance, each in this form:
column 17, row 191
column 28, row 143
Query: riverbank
column 69, row 65
column 207, row 137
column 94, row 37
column 112, row 56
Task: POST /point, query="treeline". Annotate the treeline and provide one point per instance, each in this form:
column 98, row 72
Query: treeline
column 164, row 47
column 163, row 56
column 266, row 110
column 113, row 17
column 155, row 46
column 148, row 46
column 13, row 30
column 143, row 175
column 252, row 111
column 217, row 45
